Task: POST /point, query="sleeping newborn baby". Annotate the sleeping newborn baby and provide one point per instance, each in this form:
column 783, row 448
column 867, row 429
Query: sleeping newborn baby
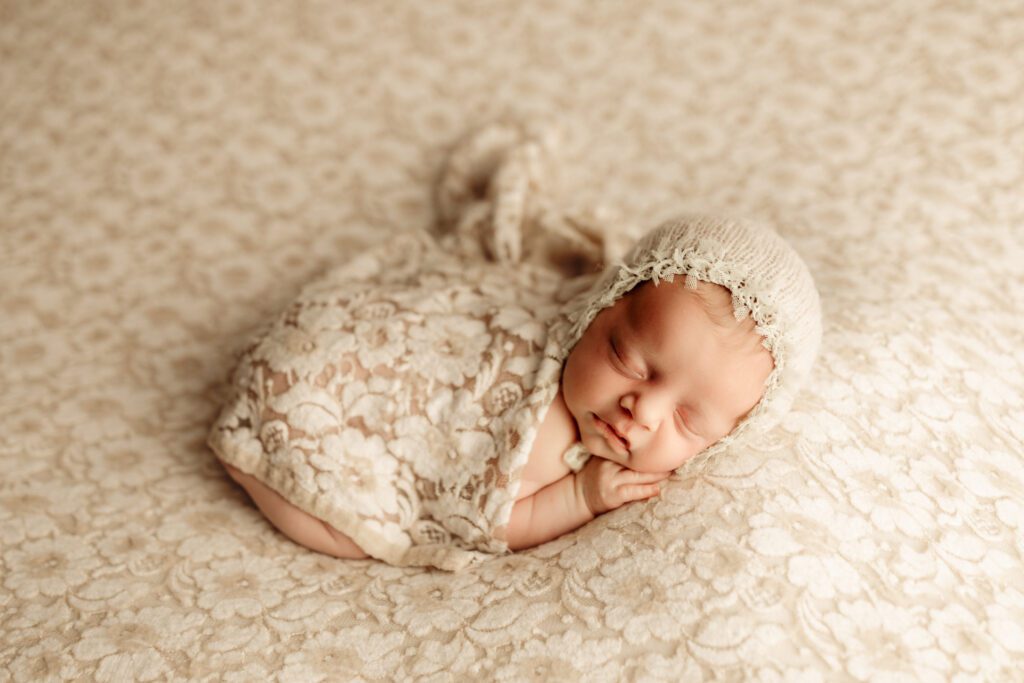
column 436, row 403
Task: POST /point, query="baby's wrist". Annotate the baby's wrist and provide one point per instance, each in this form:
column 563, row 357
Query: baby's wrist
column 581, row 497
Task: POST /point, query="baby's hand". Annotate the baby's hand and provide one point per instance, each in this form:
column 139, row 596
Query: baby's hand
column 606, row 485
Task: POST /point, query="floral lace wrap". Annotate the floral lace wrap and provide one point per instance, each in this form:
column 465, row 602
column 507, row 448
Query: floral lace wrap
column 397, row 399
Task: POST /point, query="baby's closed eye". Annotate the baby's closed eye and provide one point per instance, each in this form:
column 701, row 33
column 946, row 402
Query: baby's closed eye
column 686, row 424
column 621, row 361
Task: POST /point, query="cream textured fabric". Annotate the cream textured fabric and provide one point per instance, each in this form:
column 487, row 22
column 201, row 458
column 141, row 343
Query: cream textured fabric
column 173, row 173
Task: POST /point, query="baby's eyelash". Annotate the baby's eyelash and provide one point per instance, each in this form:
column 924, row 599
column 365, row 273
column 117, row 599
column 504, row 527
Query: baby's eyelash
column 687, row 426
column 615, row 355
column 621, row 362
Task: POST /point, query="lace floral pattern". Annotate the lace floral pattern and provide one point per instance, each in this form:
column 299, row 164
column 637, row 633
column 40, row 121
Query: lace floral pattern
column 398, row 398
column 171, row 174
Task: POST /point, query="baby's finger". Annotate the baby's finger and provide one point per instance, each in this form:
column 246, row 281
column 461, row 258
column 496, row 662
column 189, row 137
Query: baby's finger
column 639, row 491
column 646, row 477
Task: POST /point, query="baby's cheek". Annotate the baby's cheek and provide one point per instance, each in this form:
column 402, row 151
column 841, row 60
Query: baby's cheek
column 573, row 383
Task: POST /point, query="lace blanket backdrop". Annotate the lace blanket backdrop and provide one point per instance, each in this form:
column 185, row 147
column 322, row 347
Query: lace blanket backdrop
column 172, row 173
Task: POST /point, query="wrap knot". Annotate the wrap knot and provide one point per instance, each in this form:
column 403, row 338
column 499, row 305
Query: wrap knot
column 494, row 199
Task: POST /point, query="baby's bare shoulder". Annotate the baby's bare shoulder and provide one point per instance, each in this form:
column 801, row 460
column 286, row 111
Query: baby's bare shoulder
column 557, row 432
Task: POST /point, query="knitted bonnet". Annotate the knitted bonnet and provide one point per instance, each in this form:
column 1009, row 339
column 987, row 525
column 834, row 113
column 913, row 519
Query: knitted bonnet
column 767, row 279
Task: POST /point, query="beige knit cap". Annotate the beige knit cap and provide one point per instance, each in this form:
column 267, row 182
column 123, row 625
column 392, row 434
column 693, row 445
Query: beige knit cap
column 768, row 281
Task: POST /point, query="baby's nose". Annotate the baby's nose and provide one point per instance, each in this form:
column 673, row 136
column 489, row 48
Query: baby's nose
column 645, row 411
column 627, row 402
column 628, row 405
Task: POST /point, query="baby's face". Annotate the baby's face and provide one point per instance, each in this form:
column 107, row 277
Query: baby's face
column 653, row 381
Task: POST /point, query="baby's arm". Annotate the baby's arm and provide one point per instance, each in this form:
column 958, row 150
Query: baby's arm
column 576, row 499
column 556, row 509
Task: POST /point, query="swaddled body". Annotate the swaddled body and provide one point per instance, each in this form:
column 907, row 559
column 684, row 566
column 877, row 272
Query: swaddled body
column 398, row 397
